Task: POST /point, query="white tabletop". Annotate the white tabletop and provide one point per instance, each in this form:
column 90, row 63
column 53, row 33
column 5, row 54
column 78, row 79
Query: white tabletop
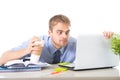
column 45, row 74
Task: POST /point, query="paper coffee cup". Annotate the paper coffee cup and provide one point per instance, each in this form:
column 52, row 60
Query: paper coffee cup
column 40, row 43
column 35, row 55
column 34, row 58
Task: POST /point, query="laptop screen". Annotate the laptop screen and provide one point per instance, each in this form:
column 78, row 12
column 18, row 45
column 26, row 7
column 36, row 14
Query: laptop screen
column 94, row 51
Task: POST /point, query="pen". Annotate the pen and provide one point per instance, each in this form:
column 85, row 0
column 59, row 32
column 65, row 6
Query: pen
column 56, row 72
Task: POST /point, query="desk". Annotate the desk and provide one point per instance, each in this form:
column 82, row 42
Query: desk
column 45, row 74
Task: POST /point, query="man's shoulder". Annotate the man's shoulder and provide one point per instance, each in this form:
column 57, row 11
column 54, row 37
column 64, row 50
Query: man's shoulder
column 44, row 37
column 73, row 40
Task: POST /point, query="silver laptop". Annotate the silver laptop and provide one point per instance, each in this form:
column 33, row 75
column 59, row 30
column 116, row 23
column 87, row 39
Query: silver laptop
column 93, row 52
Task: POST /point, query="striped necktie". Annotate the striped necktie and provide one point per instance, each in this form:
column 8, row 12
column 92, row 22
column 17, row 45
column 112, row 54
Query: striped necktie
column 56, row 57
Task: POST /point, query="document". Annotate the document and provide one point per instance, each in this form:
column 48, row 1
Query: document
column 19, row 65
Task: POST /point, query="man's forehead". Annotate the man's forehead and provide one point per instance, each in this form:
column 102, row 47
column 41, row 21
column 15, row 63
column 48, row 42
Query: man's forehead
column 63, row 30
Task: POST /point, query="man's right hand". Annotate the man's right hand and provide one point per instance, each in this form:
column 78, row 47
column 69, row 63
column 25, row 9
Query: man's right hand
column 34, row 46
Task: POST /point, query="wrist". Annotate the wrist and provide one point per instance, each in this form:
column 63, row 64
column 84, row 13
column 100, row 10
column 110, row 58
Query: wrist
column 37, row 52
column 1, row 64
column 27, row 51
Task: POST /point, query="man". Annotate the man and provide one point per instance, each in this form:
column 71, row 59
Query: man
column 58, row 39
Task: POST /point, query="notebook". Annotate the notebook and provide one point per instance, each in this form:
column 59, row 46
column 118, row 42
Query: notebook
column 93, row 52
column 20, row 66
column 23, row 69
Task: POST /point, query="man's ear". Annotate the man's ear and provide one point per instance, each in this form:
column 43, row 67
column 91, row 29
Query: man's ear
column 49, row 32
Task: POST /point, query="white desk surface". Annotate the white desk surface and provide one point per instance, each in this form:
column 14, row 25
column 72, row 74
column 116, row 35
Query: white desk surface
column 45, row 74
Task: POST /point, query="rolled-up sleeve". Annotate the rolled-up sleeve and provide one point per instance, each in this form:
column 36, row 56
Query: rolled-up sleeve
column 22, row 46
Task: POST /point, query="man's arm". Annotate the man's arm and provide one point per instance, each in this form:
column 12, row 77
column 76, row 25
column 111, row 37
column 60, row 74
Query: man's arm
column 17, row 54
column 12, row 55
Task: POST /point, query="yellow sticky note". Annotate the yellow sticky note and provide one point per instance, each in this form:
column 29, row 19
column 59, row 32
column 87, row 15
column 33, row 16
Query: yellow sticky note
column 60, row 69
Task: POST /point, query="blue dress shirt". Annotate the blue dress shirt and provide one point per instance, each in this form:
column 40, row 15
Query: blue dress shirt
column 68, row 52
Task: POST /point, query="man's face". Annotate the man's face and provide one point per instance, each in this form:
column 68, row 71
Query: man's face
column 60, row 35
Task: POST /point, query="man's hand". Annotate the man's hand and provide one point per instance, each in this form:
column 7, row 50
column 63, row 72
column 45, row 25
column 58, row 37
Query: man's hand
column 108, row 35
column 35, row 46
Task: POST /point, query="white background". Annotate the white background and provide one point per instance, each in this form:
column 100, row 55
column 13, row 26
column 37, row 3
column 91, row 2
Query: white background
column 22, row 19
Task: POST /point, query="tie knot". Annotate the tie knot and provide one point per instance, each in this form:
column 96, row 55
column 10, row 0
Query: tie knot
column 57, row 51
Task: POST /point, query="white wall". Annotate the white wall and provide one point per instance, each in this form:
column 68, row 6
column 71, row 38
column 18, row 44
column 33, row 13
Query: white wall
column 22, row 19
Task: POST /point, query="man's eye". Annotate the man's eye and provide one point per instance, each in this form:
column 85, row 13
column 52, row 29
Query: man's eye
column 67, row 32
column 59, row 32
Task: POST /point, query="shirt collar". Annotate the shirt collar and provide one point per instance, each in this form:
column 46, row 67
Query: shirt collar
column 53, row 49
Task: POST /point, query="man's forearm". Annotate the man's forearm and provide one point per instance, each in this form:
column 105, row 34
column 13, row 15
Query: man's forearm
column 12, row 55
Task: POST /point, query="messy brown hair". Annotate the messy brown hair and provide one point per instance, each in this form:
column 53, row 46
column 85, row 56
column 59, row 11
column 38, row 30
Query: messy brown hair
column 58, row 19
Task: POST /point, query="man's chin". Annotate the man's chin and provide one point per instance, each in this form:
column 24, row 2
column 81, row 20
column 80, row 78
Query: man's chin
column 63, row 45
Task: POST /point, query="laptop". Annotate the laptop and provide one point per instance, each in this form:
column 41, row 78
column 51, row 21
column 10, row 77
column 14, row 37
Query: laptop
column 93, row 52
